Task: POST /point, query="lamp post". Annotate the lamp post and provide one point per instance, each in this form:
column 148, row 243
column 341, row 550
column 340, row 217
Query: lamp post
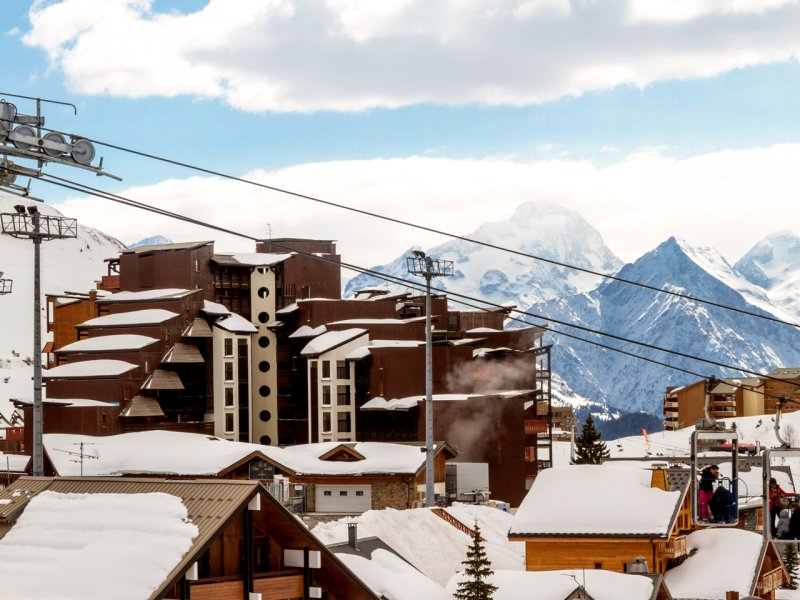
column 428, row 267
column 31, row 224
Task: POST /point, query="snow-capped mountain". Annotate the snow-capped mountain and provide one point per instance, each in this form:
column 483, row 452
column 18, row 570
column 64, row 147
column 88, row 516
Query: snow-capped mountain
column 774, row 264
column 151, row 241
column 668, row 322
column 67, row 265
column 536, row 228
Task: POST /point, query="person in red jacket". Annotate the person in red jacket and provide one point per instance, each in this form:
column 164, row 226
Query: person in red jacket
column 776, row 494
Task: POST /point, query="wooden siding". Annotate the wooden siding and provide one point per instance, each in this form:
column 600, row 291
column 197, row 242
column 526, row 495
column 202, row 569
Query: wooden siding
column 287, row 587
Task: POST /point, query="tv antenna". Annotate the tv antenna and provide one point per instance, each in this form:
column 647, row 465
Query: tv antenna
column 80, row 455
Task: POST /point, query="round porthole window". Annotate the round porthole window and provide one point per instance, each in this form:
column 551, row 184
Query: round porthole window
column 263, row 341
column 264, row 391
column 265, row 440
column 263, row 292
column 264, row 415
column 263, row 366
column 263, row 317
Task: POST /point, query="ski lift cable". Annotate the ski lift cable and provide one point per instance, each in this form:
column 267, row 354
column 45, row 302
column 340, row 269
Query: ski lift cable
column 72, row 185
column 428, row 229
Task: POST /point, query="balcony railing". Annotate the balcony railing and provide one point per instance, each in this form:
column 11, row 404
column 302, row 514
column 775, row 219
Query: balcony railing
column 673, row 547
column 771, row 580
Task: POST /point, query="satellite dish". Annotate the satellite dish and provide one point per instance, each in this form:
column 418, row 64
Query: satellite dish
column 82, row 151
column 56, row 138
column 26, row 131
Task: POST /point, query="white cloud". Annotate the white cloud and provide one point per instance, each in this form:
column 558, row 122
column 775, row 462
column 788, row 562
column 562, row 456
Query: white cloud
column 280, row 55
column 728, row 200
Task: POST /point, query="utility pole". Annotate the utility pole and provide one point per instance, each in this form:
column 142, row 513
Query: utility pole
column 428, row 267
column 22, row 137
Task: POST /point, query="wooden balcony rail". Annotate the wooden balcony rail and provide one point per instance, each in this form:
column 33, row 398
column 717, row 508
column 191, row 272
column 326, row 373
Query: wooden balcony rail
column 534, row 426
column 771, row 580
column 443, row 514
column 673, row 547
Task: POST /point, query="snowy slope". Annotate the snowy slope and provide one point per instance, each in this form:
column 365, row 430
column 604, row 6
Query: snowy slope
column 151, row 241
column 67, row 265
column 774, row 264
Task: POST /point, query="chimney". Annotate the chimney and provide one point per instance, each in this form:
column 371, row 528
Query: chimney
column 352, row 534
column 639, row 565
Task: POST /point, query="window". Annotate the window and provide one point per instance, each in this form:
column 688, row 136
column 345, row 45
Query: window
column 342, row 369
column 326, row 422
column 228, row 371
column 229, row 423
column 327, row 493
column 326, row 369
column 343, row 492
column 359, row 492
column 343, row 395
column 104, row 422
column 343, row 425
column 598, row 565
column 228, row 397
column 326, row 395
column 228, row 347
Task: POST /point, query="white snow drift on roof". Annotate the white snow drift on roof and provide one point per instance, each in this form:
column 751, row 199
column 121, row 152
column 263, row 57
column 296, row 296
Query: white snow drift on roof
column 90, row 368
column 14, row 463
column 429, row 542
column 390, row 577
column 379, row 403
column 93, row 546
column 236, row 324
column 595, row 499
column 109, row 343
column 70, row 402
column 725, row 560
column 149, row 452
column 363, row 351
column 379, row 457
column 150, row 316
column 261, row 259
column 557, row 585
column 212, row 308
column 288, row 309
column 306, row 331
column 331, row 339
column 483, row 330
column 161, row 294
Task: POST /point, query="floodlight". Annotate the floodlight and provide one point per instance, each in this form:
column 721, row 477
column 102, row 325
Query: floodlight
column 418, row 254
column 32, row 210
column 20, row 208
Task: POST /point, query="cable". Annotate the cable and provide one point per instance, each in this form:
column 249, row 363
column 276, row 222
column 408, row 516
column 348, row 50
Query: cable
column 430, row 229
column 68, row 184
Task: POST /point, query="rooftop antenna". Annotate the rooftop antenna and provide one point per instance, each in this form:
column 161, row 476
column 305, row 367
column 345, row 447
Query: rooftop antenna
column 22, row 138
column 80, row 455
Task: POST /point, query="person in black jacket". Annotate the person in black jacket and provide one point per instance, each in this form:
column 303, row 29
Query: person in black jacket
column 708, row 477
column 794, row 523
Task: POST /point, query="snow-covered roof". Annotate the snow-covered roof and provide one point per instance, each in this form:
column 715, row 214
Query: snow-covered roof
column 367, row 321
column 14, row 463
column 160, row 294
column 72, row 402
column 379, row 457
column 305, row 331
column 618, row 500
column 430, row 543
column 379, row 403
column 480, row 352
column 330, row 340
column 94, row 545
column 725, row 560
column 558, row 585
column 109, row 343
column 261, row 259
column 289, row 309
column 483, row 330
column 90, row 368
column 150, row 452
column 236, row 324
column 364, row 351
column 213, row 308
column 150, row 316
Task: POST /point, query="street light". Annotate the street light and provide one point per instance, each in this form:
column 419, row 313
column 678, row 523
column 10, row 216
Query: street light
column 428, row 267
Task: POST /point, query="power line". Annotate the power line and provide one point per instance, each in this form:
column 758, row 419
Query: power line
column 68, row 184
column 405, row 223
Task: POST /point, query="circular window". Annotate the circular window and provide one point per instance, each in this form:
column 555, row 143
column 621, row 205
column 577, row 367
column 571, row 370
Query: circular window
column 263, row 317
column 265, row 440
column 263, row 366
column 264, row 415
column 263, row 292
column 264, row 391
column 263, row 341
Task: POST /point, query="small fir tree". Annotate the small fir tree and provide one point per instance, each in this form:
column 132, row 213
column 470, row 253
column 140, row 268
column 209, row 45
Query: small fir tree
column 792, row 562
column 477, row 570
column 589, row 448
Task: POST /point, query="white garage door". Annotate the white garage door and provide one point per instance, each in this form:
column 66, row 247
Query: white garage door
column 343, row 498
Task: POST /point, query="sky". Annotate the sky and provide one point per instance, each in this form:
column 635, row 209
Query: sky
column 651, row 118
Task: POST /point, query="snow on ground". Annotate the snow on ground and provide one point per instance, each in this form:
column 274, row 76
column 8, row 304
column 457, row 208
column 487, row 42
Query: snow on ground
column 725, row 560
column 393, row 578
column 91, row 545
column 557, row 585
column 431, row 544
column 615, row 499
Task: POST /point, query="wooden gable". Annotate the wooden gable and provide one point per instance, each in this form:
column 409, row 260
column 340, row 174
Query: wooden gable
column 342, row 453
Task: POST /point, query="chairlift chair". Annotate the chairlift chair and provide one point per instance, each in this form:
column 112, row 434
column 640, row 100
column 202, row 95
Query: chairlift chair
column 720, row 447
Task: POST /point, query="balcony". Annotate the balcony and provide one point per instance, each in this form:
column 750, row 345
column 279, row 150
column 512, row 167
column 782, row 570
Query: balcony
column 771, row 580
column 673, row 547
column 281, row 584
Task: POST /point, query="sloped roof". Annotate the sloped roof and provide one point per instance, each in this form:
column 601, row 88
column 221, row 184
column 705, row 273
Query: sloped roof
column 198, row 328
column 236, row 324
column 109, row 343
column 89, row 369
column 331, row 340
column 142, row 406
column 164, row 247
column 181, row 353
column 622, row 503
column 147, row 295
column 149, row 316
column 161, row 379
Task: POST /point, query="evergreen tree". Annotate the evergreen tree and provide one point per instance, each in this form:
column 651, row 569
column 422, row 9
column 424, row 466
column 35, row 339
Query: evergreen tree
column 477, row 570
column 792, row 561
column 589, row 449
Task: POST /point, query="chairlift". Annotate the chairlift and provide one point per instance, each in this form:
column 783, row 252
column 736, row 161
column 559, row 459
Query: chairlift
column 715, row 496
column 769, row 459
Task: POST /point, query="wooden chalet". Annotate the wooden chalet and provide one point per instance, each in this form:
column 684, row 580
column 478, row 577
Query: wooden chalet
column 247, row 543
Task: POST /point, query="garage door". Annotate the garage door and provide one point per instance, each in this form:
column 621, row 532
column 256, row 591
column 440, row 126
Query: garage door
column 343, row 498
